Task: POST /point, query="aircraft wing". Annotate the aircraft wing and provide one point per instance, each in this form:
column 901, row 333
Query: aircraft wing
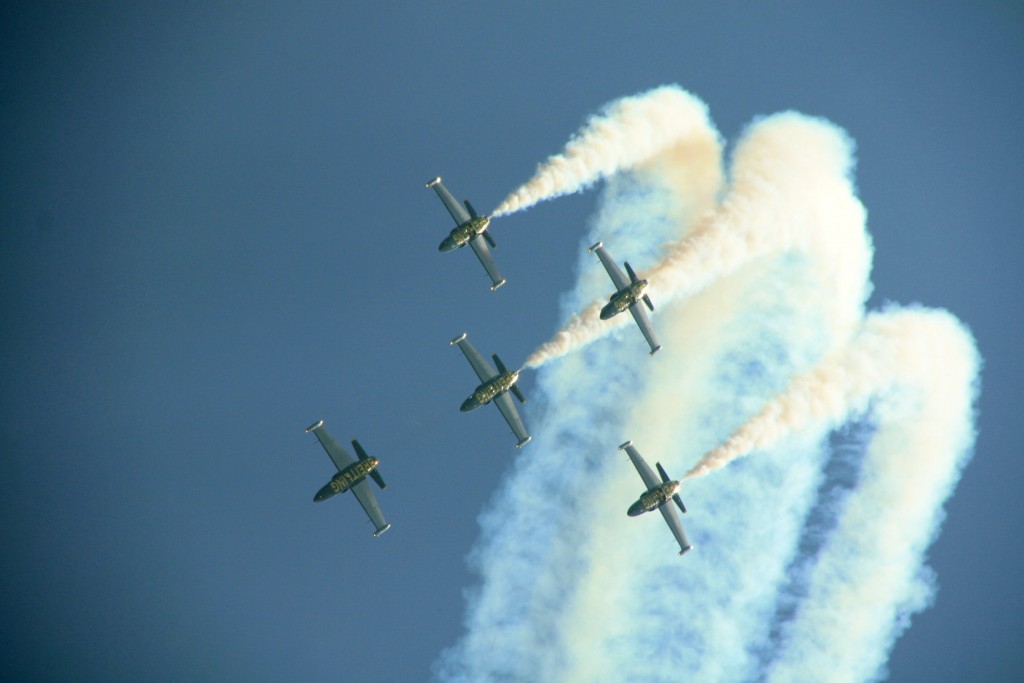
column 457, row 210
column 364, row 494
column 339, row 455
column 483, row 369
column 616, row 274
column 668, row 511
column 646, row 473
column 511, row 415
column 640, row 316
column 483, row 252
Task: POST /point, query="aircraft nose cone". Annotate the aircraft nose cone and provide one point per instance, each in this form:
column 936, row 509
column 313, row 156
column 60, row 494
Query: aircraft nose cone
column 607, row 312
column 324, row 493
column 447, row 244
column 469, row 404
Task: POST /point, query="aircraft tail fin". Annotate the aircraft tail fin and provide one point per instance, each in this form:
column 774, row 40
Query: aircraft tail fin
column 518, row 393
column 632, row 274
column 490, row 240
column 647, row 300
column 469, row 207
column 664, row 476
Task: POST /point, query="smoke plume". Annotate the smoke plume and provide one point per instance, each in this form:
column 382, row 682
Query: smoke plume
column 772, row 377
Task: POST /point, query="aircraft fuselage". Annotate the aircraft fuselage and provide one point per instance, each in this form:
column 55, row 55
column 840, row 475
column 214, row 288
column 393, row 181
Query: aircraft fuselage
column 654, row 498
column 460, row 236
column 490, row 390
column 346, row 478
column 623, row 299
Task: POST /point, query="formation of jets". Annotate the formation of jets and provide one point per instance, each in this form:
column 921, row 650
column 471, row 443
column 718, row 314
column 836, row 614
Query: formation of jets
column 496, row 384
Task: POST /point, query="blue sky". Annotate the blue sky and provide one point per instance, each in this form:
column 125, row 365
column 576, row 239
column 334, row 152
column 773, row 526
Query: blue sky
column 215, row 232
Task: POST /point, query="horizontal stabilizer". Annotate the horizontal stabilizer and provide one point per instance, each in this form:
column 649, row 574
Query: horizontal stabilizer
column 375, row 475
column 435, row 181
column 632, row 275
column 359, row 450
column 490, row 240
column 596, row 246
column 455, row 341
column 647, row 300
column 676, row 498
column 518, row 393
column 661, row 470
column 497, row 361
column 472, row 211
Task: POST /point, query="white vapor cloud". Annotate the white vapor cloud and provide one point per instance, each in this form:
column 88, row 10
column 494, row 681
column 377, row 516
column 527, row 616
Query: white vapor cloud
column 760, row 285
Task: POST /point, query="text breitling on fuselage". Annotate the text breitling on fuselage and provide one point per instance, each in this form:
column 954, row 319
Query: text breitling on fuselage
column 343, row 480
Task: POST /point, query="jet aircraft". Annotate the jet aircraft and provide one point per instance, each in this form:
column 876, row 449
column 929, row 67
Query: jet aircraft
column 657, row 495
column 351, row 476
column 470, row 228
column 629, row 293
column 494, row 387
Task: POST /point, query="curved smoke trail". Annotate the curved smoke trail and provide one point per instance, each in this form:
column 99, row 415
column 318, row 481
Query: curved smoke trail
column 790, row 174
column 573, row 590
column 629, row 132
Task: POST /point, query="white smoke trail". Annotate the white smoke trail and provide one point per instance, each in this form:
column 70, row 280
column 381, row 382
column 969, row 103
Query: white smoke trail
column 628, row 133
column 898, row 348
column 919, row 367
column 790, row 176
column 573, row 590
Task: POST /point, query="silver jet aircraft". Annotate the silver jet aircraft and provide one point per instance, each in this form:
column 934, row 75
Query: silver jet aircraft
column 657, row 495
column 495, row 387
column 470, row 228
column 352, row 476
column 629, row 293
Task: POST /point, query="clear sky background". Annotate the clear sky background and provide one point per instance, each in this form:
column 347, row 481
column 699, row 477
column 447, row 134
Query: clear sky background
column 214, row 231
